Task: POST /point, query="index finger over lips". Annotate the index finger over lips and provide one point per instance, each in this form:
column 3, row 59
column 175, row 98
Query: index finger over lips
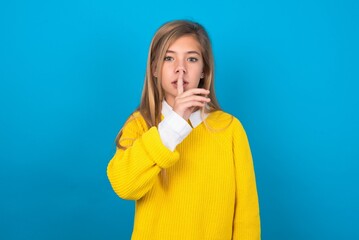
column 180, row 83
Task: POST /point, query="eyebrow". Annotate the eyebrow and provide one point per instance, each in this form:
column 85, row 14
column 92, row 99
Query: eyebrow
column 189, row 52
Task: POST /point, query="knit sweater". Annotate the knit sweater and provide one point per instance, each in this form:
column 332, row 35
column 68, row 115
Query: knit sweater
column 208, row 191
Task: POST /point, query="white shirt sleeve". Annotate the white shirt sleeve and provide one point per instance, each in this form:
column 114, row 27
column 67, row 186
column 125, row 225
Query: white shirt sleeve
column 173, row 129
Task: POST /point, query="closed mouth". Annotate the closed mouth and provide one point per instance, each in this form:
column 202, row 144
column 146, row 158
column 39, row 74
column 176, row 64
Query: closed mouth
column 185, row 83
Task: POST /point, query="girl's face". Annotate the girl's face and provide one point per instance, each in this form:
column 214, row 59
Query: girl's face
column 183, row 55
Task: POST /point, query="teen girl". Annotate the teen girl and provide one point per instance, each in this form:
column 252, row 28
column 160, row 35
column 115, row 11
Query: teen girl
column 187, row 164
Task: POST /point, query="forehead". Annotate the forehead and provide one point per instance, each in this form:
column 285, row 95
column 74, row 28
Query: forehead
column 185, row 44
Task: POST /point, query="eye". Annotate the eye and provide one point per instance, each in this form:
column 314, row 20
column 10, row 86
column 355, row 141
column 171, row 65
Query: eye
column 168, row 58
column 192, row 59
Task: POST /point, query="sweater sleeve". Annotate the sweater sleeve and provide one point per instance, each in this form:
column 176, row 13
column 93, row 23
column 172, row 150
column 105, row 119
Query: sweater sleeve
column 132, row 171
column 246, row 218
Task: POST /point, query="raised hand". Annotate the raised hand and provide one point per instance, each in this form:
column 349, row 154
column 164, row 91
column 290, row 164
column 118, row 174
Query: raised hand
column 187, row 101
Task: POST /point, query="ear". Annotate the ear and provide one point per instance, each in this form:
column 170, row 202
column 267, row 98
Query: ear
column 154, row 70
column 202, row 75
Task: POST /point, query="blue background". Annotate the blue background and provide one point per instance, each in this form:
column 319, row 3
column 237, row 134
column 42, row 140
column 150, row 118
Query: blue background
column 72, row 71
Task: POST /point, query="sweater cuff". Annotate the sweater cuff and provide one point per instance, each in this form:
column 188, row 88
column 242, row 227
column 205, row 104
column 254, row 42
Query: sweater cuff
column 158, row 152
column 173, row 129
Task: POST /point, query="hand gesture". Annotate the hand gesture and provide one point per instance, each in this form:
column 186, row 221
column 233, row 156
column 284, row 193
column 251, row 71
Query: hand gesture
column 187, row 101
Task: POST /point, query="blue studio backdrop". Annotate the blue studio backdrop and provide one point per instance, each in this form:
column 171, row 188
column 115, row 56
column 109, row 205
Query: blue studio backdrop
column 72, row 71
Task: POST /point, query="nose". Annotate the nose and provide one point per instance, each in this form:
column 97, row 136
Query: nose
column 180, row 67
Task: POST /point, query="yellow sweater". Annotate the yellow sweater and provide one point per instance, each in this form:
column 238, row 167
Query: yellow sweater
column 208, row 191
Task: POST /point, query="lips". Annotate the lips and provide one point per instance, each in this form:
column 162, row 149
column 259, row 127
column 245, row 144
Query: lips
column 174, row 83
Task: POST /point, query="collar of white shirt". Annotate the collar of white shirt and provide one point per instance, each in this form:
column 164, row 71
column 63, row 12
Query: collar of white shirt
column 195, row 118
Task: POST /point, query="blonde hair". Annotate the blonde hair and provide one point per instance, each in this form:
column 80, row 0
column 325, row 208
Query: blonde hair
column 153, row 94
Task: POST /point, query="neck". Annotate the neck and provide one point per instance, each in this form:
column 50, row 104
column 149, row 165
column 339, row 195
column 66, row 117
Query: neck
column 170, row 101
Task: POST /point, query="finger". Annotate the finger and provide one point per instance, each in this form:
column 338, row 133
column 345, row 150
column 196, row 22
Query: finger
column 180, row 83
column 196, row 98
column 195, row 91
column 191, row 104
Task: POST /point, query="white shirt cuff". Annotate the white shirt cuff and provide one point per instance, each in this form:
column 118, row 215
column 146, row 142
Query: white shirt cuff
column 173, row 129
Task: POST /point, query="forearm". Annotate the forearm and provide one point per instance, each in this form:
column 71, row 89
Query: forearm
column 132, row 172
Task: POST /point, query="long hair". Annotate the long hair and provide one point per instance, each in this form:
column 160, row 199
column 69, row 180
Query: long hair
column 152, row 93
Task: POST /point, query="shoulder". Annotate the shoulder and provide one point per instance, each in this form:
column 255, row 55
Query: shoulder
column 133, row 128
column 223, row 120
column 135, row 123
column 229, row 126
